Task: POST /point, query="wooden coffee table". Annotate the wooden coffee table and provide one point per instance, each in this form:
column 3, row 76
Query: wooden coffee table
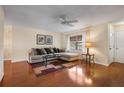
column 45, row 57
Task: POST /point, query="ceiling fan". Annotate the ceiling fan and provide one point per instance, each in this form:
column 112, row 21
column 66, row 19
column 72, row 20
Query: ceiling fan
column 63, row 19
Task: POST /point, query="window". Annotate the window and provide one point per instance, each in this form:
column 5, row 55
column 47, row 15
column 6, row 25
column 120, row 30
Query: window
column 76, row 42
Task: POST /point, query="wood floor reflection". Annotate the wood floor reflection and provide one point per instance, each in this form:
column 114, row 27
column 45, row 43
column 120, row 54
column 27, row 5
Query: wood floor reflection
column 21, row 74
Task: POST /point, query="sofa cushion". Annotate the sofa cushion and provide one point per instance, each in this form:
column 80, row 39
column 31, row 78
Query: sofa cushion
column 69, row 55
column 69, row 59
column 36, row 57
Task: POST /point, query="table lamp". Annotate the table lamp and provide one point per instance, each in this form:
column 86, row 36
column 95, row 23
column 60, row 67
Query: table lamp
column 88, row 45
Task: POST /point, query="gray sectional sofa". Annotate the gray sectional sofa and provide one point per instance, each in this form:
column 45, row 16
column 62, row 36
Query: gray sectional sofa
column 37, row 55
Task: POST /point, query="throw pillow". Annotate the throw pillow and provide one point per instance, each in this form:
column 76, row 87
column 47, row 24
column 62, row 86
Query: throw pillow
column 47, row 50
column 55, row 50
column 58, row 50
column 51, row 50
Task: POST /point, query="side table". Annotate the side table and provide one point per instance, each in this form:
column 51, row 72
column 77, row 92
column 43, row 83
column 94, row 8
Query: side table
column 89, row 58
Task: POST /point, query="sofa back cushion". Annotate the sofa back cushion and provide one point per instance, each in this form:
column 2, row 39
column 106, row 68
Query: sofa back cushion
column 42, row 51
column 33, row 51
column 37, row 51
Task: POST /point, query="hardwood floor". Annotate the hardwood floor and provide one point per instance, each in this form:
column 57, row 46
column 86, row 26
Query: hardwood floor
column 21, row 74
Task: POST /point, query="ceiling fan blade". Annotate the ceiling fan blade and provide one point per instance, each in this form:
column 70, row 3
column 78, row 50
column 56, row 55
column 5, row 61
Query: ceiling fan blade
column 61, row 19
column 69, row 24
column 72, row 21
column 65, row 23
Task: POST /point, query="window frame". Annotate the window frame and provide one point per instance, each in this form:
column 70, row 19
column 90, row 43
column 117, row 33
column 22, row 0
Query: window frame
column 76, row 41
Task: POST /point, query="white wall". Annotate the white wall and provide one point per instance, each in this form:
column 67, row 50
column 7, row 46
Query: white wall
column 1, row 42
column 99, row 39
column 7, row 42
column 24, row 38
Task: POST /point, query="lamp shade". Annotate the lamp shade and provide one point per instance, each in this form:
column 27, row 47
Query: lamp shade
column 88, row 45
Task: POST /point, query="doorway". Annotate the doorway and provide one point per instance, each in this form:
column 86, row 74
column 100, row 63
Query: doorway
column 116, row 43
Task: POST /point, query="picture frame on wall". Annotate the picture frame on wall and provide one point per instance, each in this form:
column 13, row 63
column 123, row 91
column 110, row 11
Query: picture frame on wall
column 40, row 39
column 49, row 39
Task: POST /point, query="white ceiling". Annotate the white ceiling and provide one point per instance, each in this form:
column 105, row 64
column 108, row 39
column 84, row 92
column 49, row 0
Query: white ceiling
column 45, row 17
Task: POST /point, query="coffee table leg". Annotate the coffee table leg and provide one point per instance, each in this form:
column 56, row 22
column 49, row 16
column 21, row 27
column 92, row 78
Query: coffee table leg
column 46, row 62
column 86, row 59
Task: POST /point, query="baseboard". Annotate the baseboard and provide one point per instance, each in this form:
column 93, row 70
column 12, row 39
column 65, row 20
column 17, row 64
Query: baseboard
column 105, row 64
column 20, row 61
column 7, row 60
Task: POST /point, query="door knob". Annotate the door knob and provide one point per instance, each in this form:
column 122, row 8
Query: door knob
column 110, row 48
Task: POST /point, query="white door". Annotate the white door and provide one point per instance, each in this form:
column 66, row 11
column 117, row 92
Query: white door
column 111, row 44
column 119, row 46
column 112, row 47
